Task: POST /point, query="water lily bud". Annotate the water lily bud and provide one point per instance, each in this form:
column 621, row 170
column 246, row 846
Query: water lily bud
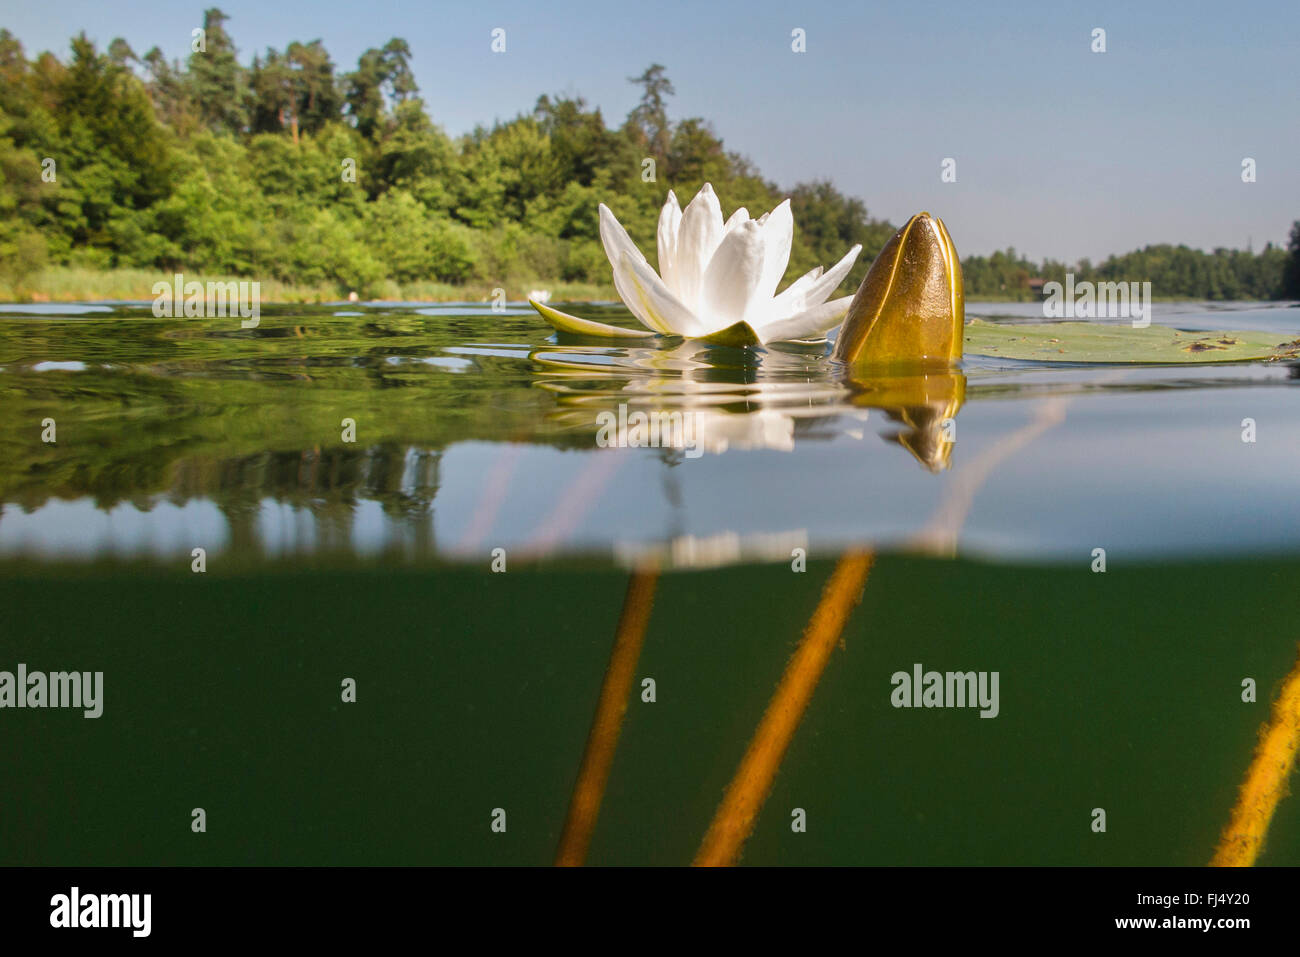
column 910, row 307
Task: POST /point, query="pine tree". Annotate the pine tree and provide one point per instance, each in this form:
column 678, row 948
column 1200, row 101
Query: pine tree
column 219, row 83
column 1291, row 271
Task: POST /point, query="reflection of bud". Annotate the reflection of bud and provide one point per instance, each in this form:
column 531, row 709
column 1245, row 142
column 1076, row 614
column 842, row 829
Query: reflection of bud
column 911, row 305
column 922, row 402
column 924, row 436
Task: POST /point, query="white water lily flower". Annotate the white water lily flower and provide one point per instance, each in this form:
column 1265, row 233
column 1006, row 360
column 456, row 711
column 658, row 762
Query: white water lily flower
column 716, row 280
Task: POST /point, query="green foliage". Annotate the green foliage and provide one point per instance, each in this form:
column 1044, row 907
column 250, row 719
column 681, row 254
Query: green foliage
column 380, row 75
column 218, row 81
column 649, row 120
column 407, row 240
column 294, row 90
column 22, row 255
column 1291, row 268
column 1173, row 271
column 829, row 223
column 289, row 170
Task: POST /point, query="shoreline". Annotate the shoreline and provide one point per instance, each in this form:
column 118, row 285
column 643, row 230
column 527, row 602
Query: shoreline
column 69, row 284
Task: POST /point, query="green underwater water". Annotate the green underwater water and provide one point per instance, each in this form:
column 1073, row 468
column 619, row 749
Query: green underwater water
column 475, row 691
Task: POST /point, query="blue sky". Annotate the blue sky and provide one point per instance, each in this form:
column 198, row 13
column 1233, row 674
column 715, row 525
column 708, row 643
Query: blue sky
column 1060, row 151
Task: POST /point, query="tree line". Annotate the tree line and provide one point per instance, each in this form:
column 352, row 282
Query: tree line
column 1173, row 271
column 289, row 168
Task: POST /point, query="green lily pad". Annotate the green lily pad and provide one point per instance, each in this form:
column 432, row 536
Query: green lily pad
column 1081, row 341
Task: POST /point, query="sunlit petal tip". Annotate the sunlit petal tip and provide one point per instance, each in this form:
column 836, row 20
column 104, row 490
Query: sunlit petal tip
column 670, row 222
column 615, row 238
column 793, row 299
column 778, row 239
column 821, row 288
column 779, row 211
column 698, row 237
column 741, row 215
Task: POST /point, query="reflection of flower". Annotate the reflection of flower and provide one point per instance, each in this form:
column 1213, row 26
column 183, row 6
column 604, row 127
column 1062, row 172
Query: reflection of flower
column 694, row 431
column 766, row 429
column 716, row 276
column 711, row 551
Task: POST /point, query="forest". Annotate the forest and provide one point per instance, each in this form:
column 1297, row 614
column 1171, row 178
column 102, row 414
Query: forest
column 291, row 169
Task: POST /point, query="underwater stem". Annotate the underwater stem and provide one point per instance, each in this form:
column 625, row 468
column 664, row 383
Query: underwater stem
column 584, row 806
column 1266, row 780
column 736, row 815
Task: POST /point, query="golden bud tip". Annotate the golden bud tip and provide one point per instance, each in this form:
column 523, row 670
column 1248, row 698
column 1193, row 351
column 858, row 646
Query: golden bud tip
column 910, row 307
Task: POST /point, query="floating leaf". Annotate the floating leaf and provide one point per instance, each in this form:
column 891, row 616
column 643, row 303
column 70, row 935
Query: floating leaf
column 1080, row 341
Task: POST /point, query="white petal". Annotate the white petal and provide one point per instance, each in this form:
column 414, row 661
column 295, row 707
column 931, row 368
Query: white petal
column 821, row 288
column 670, row 221
column 791, row 299
column 778, row 234
column 627, row 292
column 644, row 293
column 809, row 324
column 697, row 241
column 739, row 216
column 731, row 281
column 615, row 238
column 618, row 245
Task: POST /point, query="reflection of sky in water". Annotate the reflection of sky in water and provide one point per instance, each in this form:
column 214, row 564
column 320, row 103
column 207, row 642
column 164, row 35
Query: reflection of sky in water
column 80, row 530
column 1047, row 462
column 1182, row 482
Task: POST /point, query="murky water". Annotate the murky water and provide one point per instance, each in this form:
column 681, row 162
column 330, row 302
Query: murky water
column 353, row 474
